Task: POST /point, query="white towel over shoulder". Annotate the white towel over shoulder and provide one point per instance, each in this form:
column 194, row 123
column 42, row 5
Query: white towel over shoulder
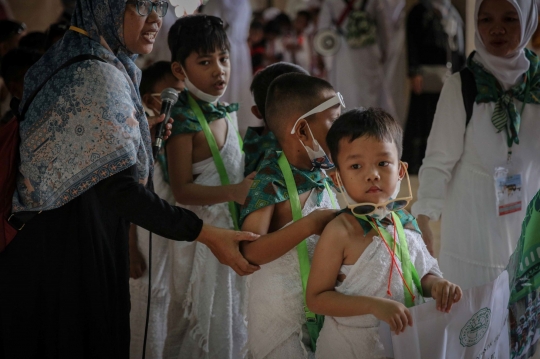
column 358, row 337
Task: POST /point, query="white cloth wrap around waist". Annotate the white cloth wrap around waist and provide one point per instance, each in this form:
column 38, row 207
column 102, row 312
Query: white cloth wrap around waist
column 276, row 300
column 358, row 337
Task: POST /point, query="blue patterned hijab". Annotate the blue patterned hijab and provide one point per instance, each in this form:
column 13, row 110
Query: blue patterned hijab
column 87, row 123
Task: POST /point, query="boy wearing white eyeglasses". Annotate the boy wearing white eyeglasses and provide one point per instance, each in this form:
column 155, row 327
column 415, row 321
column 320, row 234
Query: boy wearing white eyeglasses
column 370, row 263
column 290, row 184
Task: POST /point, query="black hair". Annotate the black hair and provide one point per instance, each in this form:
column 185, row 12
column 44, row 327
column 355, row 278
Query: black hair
column 16, row 63
column 33, row 41
column 55, row 32
column 263, row 79
column 291, row 95
column 196, row 33
column 358, row 122
column 305, row 14
column 9, row 28
column 153, row 74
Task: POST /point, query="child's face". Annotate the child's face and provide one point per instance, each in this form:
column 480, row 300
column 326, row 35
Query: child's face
column 369, row 169
column 153, row 100
column 321, row 122
column 209, row 72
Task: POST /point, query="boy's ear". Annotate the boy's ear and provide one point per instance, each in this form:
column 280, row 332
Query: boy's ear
column 333, row 176
column 178, row 71
column 402, row 169
column 255, row 111
column 302, row 132
column 146, row 99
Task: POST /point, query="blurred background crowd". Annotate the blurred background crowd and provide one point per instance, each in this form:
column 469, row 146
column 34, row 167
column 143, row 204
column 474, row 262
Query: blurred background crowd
column 415, row 44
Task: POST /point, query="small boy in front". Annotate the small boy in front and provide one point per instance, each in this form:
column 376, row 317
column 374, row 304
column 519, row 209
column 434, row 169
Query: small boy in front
column 299, row 111
column 370, row 263
column 258, row 140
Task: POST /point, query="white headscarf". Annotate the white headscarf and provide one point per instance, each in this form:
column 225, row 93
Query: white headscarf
column 508, row 70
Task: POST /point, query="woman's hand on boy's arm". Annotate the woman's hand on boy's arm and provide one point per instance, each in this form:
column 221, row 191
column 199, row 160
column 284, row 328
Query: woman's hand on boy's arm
column 241, row 190
column 444, row 292
column 427, row 233
column 224, row 244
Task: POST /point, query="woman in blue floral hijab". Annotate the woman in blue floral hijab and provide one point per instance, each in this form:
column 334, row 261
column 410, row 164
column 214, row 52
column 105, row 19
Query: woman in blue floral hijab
column 86, row 160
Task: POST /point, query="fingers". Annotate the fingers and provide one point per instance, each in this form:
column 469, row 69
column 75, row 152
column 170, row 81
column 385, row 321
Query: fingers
column 154, row 120
column 242, row 267
column 458, row 294
column 252, row 175
column 444, row 300
column 246, row 236
column 409, row 317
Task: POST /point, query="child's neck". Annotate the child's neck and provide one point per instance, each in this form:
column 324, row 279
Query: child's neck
column 298, row 159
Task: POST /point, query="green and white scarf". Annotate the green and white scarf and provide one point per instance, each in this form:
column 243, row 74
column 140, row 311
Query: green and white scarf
column 505, row 116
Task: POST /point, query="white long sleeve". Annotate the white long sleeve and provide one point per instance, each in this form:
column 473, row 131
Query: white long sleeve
column 444, row 149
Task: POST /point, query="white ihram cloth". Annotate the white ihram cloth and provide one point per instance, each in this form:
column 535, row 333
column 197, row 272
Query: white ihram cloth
column 358, row 337
column 276, row 316
column 138, row 288
column 358, row 73
column 206, row 318
column 456, row 180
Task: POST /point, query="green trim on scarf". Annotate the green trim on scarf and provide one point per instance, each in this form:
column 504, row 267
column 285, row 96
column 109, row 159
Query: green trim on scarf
column 407, row 221
column 269, row 186
column 185, row 120
column 505, row 116
column 255, row 147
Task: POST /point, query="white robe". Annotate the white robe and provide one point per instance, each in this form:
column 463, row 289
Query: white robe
column 276, row 319
column 358, row 73
column 206, row 318
column 456, row 180
column 237, row 16
column 160, row 295
column 358, row 337
column 395, row 67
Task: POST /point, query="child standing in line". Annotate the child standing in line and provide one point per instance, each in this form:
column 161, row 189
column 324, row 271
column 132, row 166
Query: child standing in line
column 372, row 234
column 260, row 139
column 154, row 80
column 205, row 167
column 299, row 111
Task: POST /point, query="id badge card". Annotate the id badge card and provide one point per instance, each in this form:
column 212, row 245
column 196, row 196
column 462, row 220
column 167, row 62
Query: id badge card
column 508, row 187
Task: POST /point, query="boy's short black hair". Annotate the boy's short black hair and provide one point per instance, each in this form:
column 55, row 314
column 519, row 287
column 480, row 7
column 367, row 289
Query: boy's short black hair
column 358, row 122
column 290, row 95
column 16, row 63
column 263, row 79
column 153, row 74
column 200, row 33
column 34, row 40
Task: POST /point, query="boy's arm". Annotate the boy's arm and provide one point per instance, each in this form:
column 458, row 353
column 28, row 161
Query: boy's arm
column 443, row 291
column 271, row 246
column 179, row 157
column 321, row 297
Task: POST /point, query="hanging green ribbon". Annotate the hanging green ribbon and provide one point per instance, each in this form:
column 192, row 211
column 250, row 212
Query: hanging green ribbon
column 218, row 161
column 505, row 116
column 314, row 322
column 410, row 275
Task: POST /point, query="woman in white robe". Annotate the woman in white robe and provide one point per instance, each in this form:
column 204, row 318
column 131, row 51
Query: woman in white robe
column 457, row 175
column 358, row 73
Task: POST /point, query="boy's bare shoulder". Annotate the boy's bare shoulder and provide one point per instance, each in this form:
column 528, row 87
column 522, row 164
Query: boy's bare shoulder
column 342, row 227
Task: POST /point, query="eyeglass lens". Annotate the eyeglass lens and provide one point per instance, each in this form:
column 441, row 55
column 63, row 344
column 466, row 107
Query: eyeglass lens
column 396, row 205
column 363, row 210
column 144, row 7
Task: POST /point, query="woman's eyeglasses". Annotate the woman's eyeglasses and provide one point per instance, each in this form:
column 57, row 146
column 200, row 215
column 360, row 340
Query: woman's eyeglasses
column 366, row 209
column 145, row 7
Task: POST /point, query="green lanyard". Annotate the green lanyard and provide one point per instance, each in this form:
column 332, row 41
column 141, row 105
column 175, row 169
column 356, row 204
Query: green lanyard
column 313, row 321
column 218, row 161
column 410, row 275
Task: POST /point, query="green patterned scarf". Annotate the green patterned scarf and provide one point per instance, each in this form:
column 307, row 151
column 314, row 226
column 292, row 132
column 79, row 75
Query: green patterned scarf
column 269, row 187
column 255, row 146
column 505, row 116
column 407, row 220
column 185, row 120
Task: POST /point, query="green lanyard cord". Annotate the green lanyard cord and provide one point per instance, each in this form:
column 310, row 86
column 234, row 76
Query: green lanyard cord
column 313, row 321
column 410, row 275
column 218, row 161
